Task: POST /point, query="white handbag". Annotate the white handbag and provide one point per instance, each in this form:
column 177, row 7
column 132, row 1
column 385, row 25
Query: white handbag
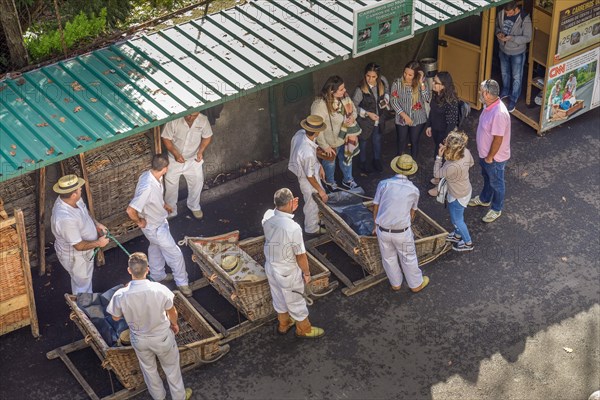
column 442, row 189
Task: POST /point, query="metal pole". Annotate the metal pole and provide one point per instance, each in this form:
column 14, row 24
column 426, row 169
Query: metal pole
column 273, row 120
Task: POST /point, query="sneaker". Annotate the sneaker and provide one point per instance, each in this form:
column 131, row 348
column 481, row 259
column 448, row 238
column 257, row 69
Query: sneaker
column 433, row 192
column 422, row 286
column 511, row 107
column 491, row 216
column 314, row 333
column 185, row 290
column 504, row 97
column 332, row 187
column 476, row 201
column 435, row 181
column 188, row 393
column 462, row 246
column 167, row 278
column 453, row 238
column 198, row 214
column 350, row 185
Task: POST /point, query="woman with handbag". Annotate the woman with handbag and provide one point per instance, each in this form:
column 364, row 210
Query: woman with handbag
column 456, row 171
column 371, row 98
column 328, row 105
column 408, row 98
column 443, row 115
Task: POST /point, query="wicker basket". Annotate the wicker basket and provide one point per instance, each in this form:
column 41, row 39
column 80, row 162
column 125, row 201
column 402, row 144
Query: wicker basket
column 430, row 238
column 113, row 171
column 253, row 299
column 20, row 193
column 197, row 340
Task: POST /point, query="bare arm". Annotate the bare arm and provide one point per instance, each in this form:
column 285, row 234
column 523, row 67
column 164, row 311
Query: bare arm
column 302, row 261
column 496, row 142
column 171, row 148
column 135, row 217
column 375, row 210
column 413, row 212
column 172, row 315
column 313, row 182
column 203, row 145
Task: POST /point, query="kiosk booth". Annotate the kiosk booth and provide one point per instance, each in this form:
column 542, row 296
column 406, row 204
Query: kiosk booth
column 562, row 79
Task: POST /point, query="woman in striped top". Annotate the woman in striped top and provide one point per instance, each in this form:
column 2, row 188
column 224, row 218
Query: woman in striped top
column 408, row 98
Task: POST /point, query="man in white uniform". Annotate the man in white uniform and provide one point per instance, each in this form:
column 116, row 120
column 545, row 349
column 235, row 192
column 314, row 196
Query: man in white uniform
column 286, row 266
column 149, row 211
column 76, row 233
column 151, row 315
column 186, row 139
column 305, row 165
column 395, row 204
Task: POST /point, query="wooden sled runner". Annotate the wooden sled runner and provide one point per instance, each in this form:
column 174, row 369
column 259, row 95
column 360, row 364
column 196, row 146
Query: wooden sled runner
column 198, row 344
column 430, row 242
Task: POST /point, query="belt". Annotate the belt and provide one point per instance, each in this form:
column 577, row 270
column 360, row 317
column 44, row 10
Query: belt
column 393, row 230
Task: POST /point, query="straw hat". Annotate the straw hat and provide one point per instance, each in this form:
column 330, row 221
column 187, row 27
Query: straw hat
column 313, row 123
column 230, row 264
column 404, row 165
column 68, row 184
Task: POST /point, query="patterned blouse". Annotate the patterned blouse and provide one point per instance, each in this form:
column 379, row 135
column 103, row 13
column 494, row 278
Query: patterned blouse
column 401, row 100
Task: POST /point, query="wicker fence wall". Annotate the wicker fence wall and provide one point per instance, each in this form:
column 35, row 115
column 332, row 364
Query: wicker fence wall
column 20, row 193
column 113, row 171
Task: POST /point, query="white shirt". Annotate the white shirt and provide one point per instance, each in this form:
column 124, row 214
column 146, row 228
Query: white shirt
column 148, row 200
column 303, row 156
column 71, row 225
column 283, row 242
column 395, row 196
column 187, row 139
column 143, row 304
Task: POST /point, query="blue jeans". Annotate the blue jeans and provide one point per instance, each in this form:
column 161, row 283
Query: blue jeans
column 457, row 217
column 376, row 140
column 511, row 68
column 493, row 183
column 329, row 167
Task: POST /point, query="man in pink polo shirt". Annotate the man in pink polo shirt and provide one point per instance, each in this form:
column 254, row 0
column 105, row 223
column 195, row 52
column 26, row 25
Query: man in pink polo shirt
column 493, row 146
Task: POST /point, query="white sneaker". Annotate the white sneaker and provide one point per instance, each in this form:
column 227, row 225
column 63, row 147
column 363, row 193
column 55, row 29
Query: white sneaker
column 491, row 216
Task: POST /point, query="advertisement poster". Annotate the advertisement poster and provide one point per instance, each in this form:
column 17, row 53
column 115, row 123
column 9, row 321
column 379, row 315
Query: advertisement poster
column 578, row 28
column 382, row 24
column 573, row 89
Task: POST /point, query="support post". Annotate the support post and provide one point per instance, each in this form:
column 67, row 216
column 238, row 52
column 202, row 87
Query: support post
column 273, row 120
column 88, row 192
column 20, row 225
column 157, row 140
column 42, row 220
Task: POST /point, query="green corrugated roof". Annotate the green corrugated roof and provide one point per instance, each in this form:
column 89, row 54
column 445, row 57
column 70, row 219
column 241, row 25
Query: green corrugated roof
column 76, row 105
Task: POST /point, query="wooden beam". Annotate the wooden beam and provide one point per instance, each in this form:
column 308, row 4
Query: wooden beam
column 10, row 305
column 157, row 140
column 35, row 329
column 7, row 222
column 88, row 192
column 68, row 348
column 73, row 369
column 42, row 220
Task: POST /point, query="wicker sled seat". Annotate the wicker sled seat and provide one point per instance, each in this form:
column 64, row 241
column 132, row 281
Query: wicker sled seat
column 430, row 238
column 198, row 342
column 251, row 297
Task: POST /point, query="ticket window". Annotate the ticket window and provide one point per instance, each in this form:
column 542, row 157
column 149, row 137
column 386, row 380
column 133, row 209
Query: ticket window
column 465, row 49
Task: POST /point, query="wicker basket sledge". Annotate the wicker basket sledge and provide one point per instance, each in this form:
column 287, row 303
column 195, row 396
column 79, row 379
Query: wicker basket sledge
column 430, row 238
column 198, row 343
column 252, row 299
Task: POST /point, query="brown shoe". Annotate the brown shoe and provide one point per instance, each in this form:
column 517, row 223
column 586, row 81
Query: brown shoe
column 285, row 323
column 433, row 192
column 422, row 286
column 435, row 181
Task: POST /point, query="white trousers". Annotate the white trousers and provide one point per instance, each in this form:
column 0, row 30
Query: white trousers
column 311, row 211
column 80, row 268
column 165, row 348
column 282, row 291
column 194, row 176
column 394, row 246
column 163, row 249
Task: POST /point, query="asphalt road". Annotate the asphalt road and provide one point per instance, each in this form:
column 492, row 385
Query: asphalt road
column 517, row 318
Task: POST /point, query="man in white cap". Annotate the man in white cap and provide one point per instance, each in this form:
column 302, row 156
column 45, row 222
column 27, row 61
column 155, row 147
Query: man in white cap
column 186, row 139
column 304, row 164
column 286, row 266
column 76, row 233
column 149, row 211
column 149, row 311
column 395, row 205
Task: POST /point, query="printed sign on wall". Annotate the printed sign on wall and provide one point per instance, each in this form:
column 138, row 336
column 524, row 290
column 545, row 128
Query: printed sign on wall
column 578, row 28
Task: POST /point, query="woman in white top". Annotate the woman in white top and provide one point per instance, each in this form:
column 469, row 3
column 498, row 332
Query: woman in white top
column 456, row 171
